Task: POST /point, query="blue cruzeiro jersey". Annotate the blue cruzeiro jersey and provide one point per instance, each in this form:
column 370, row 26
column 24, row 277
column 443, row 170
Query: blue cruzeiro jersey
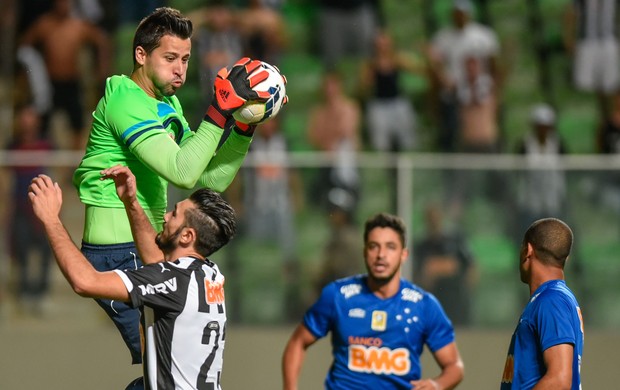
column 551, row 317
column 377, row 342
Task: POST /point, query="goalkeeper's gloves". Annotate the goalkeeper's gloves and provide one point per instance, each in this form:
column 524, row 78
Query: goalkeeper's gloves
column 240, row 128
column 233, row 88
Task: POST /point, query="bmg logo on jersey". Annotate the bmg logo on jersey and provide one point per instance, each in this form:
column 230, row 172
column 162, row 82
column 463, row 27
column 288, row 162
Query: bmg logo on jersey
column 214, row 291
column 165, row 287
column 379, row 360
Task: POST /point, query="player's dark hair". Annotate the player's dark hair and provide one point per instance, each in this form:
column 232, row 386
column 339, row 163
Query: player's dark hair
column 385, row 220
column 162, row 21
column 213, row 219
column 551, row 240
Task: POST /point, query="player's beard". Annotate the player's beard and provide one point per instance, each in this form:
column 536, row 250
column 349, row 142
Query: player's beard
column 168, row 243
column 381, row 280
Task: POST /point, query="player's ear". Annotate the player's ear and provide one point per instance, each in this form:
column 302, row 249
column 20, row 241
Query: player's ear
column 188, row 235
column 529, row 251
column 140, row 55
column 404, row 256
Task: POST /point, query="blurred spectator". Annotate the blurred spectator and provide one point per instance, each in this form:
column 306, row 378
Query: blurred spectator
column 608, row 142
column 445, row 267
column 218, row 40
column 60, row 36
column 264, row 32
column 391, row 119
column 547, row 42
column 343, row 243
column 542, row 191
column 32, row 81
column 346, row 28
column 334, row 127
column 448, row 51
column 591, row 38
column 608, row 135
column 477, row 100
column 27, row 242
column 430, row 17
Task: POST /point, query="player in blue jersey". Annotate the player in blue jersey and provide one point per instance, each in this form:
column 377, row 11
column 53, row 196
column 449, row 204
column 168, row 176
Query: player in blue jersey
column 379, row 323
column 547, row 346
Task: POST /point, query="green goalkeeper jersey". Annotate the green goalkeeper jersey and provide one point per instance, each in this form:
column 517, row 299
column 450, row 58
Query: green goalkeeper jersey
column 154, row 140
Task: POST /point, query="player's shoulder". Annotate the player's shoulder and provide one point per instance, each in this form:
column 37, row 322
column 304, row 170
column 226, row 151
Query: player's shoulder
column 121, row 88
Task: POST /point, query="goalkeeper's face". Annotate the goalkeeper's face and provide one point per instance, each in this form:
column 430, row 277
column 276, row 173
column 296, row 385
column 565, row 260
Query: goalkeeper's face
column 166, row 65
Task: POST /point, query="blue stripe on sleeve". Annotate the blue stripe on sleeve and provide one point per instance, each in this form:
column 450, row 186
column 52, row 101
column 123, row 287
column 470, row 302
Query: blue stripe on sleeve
column 136, row 126
column 139, row 133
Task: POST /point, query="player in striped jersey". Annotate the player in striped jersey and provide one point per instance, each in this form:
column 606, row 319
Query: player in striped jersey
column 139, row 123
column 180, row 291
column 379, row 324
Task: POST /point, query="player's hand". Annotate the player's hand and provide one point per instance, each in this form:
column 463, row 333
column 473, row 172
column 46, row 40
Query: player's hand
column 124, row 180
column 241, row 128
column 425, row 384
column 46, row 198
column 233, row 88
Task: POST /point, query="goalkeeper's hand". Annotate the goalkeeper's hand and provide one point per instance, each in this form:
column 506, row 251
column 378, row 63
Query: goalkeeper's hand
column 233, row 88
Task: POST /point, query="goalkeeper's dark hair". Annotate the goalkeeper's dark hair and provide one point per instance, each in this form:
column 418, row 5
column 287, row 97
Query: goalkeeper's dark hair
column 385, row 220
column 213, row 219
column 162, row 21
column 551, row 240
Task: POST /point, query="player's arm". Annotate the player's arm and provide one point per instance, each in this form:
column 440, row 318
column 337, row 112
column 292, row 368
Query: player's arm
column 294, row 354
column 46, row 199
column 559, row 362
column 452, row 370
column 224, row 166
column 141, row 228
column 183, row 166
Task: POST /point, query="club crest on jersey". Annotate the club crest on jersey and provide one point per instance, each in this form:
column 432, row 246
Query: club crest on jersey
column 379, row 320
column 165, row 287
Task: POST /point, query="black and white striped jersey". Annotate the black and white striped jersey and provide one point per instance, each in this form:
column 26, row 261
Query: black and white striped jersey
column 183, row 322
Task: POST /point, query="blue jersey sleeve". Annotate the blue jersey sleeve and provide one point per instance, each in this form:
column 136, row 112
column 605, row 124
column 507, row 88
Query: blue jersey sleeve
column 439, row 329
column 555, row 321
column 319, row 318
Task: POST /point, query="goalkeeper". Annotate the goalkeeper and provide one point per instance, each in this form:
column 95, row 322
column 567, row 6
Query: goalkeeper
column 139, row 123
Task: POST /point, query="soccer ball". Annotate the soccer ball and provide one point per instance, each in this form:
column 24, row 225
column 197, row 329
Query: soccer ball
column 253, row 112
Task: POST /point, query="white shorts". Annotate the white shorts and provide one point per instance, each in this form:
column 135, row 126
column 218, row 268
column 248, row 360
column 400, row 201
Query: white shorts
column 391, row 122
column 597, row 66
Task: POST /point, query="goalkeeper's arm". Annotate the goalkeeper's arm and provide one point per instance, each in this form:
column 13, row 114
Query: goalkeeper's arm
column 181, row 166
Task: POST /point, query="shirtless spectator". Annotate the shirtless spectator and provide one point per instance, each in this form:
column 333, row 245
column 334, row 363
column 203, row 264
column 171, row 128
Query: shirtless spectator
column 60, row 36
column 334, row 127
column 448, row 52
